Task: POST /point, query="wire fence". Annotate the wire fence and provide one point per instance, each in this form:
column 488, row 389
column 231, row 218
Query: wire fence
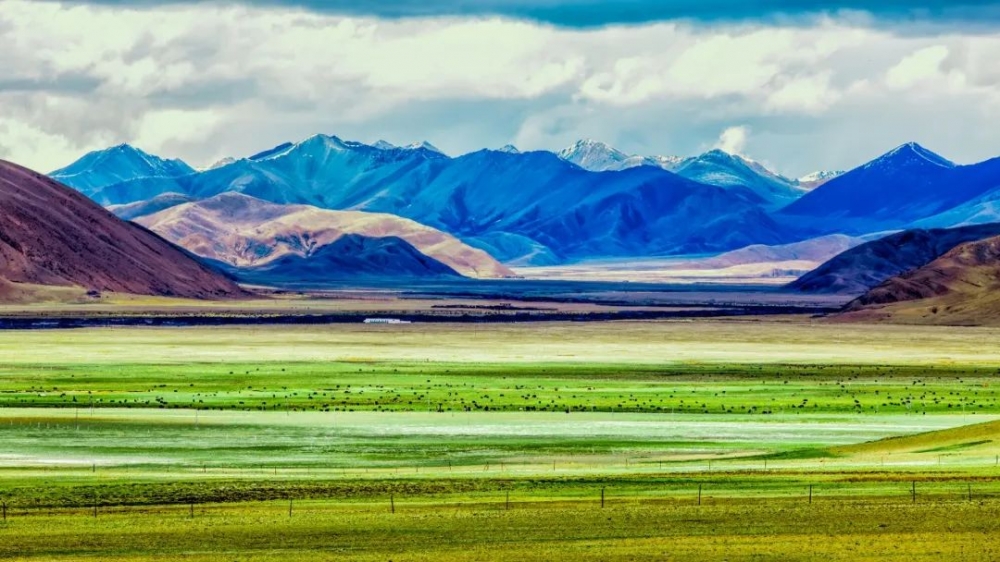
column 702, row 494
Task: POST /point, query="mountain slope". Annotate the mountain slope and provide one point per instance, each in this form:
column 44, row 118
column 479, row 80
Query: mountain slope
column 960, row 287
column 859, row 269
column 726, row 170
column 350, row 257
column 117, row 164
column 132, row 211
column 536, row 198
column 53, row 235
column 905, row 185
column 246, row 232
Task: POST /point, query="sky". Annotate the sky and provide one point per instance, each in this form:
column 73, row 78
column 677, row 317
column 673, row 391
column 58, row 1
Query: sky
column 797, row 85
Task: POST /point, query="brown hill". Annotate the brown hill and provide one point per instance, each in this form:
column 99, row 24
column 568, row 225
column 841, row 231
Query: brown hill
column 960, row 287
column 52, row 235
column 245, row 232
column 860, row 269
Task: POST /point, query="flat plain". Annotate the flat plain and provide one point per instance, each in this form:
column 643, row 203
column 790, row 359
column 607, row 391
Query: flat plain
column 685, row 440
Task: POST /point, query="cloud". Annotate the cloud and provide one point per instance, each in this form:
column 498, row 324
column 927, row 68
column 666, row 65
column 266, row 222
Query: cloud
column 594, row 13
column 733, row 140
column 924, row 63
column 210, row 80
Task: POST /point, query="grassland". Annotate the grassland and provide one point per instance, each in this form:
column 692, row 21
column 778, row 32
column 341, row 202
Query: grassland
column 799, row 440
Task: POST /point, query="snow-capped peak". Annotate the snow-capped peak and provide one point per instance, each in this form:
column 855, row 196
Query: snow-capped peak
column 384, row 145
column 593, row 155
column 912, row 152
column 598, row 156
column 821, row 175
column 510, row 149
column 423, row 145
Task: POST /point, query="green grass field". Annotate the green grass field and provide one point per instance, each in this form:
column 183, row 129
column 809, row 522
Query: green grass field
column 450, row 442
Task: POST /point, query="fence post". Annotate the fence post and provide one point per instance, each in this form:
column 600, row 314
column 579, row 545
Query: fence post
column 602, row 498
column 970, row 492
column 913, row 491
column 191, row 514
column 699, row 494
column 392, row 502
column 290, row 500
column 810, row 493
column 507, row 502
column 4, row 510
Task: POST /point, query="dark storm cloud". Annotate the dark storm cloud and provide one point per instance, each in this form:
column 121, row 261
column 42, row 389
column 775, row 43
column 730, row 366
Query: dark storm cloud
column 589, row 13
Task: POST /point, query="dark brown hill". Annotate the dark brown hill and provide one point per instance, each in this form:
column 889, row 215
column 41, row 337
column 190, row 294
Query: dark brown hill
column 864, row 267
column 53, row 235
column 961, row 287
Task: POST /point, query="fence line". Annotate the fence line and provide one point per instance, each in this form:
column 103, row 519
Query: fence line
column 704, row 494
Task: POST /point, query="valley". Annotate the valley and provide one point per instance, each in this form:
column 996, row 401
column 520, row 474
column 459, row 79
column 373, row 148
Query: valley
column 560, row 440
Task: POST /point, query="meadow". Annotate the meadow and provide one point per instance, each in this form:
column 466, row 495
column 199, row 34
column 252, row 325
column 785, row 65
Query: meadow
column 782, row 439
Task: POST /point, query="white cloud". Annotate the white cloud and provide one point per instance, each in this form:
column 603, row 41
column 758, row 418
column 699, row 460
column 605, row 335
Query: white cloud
column 806, row 94
column 733, row 140
column 201, row 81
column 917, row 67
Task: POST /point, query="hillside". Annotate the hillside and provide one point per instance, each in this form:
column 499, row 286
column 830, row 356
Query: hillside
column 132, row 211
column 984, row 437
column 249, row 233
column 859, row 269
column 960, row 287
column 818, row 250
column 351, row 257
column 51, row 235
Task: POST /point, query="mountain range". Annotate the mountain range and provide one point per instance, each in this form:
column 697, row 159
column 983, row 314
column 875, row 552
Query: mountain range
column 521, row 206
column 325, row 208
column 587, row 202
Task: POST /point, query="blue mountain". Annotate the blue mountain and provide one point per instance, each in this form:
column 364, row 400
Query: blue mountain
column 531, row 204
column 117, row 164
column 727, row 170
column 902, row 187
column 715, row 167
